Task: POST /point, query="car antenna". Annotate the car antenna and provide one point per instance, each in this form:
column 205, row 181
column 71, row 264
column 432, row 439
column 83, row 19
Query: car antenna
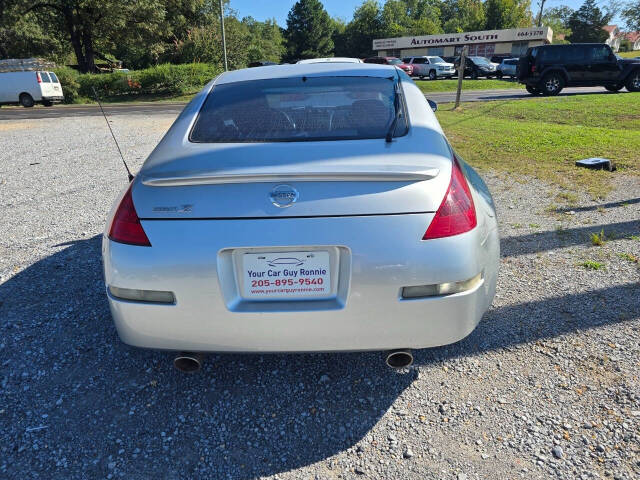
column 129, row 175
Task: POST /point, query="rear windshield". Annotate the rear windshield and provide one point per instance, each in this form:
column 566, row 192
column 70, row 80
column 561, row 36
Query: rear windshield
column 299, row 109
column 54, row 79
column 45, row 77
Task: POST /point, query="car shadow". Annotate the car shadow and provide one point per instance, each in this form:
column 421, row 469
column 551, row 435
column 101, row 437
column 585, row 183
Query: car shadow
column 526, row 322
column 69, row 382
column 242, row 416
column 521, row 94
column 550, row 240
column 590, row 208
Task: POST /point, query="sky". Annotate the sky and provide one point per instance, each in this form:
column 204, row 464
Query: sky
column 278, row 9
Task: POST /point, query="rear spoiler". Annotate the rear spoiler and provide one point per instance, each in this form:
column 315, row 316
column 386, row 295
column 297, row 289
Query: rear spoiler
column 410, row 175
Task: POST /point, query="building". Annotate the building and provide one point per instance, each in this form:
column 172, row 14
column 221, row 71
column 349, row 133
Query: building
column 508, row 43
column 633, row 38
column 614, row 37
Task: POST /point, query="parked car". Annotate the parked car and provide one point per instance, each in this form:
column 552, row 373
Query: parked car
column 331, row 60
column 499, row 58
column 508, row 67
column 547, row 69
column 30, row 87
column 391, row 61
column 475, row 67
column 309, row 207
column 430, row 66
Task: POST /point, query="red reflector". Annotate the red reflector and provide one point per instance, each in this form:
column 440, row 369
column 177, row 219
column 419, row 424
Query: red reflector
column 38, row 77
column 533, row 68
column 456, row 214
column 126, row 227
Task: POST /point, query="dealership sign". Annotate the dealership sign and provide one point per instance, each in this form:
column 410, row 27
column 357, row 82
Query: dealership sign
column 489, row 36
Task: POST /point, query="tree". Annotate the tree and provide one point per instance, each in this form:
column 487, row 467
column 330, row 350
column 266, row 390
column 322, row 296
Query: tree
column 339, row 37
column 89, row 24
column 586, row 24
column 631, row 15
column 265, row 40
column 362, row 29
column 501, row 14
column 557, row 19
column 309, row 31
column 28, row 34
column 462, row 15
column 410, row 17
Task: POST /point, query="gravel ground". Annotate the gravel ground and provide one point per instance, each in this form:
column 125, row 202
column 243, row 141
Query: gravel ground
column 547, row 385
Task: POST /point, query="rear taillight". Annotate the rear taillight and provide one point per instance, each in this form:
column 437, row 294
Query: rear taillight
column 126, row 226
column 38, row 77
column 456, row 214
column 533, row 68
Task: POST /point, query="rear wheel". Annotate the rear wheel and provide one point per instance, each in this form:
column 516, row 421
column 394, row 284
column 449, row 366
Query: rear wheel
column 613, row 88
column 26, row 100
column 432, row 75
column 552, row 84
column 499, row 75
column 47, row 103
column 633, row 82
column 532, row 90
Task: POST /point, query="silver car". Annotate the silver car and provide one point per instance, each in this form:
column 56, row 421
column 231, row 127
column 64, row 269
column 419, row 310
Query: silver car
column 302, row 208
column 508, row 67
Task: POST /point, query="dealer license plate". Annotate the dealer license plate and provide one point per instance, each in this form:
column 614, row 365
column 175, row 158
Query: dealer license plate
column 286, row 275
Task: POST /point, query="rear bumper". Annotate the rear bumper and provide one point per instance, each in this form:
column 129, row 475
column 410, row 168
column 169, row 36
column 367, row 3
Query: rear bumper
column 372, row 317
column 54, row 99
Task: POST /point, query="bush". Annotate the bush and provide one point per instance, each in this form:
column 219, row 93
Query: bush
column 162, row 79
column 106, row 84
column 174, row 79
column 69, row 80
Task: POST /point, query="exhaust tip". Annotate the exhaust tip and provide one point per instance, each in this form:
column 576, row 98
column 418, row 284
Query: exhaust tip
column 188, row 362
column 399, row 358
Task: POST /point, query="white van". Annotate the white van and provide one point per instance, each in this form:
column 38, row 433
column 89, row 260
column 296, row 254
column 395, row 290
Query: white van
column 30, row 87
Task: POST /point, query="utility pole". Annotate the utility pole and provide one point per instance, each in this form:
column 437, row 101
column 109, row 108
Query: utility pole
column 463, row 56
column 541, row 3
column 224, row 41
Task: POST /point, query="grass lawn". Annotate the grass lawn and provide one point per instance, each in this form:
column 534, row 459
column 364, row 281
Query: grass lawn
column 635, row 53
column 452, row 85
column 543, row 137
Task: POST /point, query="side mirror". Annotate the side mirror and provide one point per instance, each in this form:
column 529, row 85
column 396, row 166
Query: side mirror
column 433, row 105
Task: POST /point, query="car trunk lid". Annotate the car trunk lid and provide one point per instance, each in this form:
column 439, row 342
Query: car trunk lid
column 242, row 181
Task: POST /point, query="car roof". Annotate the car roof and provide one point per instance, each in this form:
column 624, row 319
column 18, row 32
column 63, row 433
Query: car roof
column 308, row 69
column 330, row 60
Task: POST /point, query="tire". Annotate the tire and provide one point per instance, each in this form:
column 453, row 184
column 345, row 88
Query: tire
column 552, row 84
column 433, row 75
column 26, row 100
column 633, row 82
column 47, row 103
column 421, row 77
column 532, row 90
column 474, row 75
column 613, row 88
column 499, row 75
